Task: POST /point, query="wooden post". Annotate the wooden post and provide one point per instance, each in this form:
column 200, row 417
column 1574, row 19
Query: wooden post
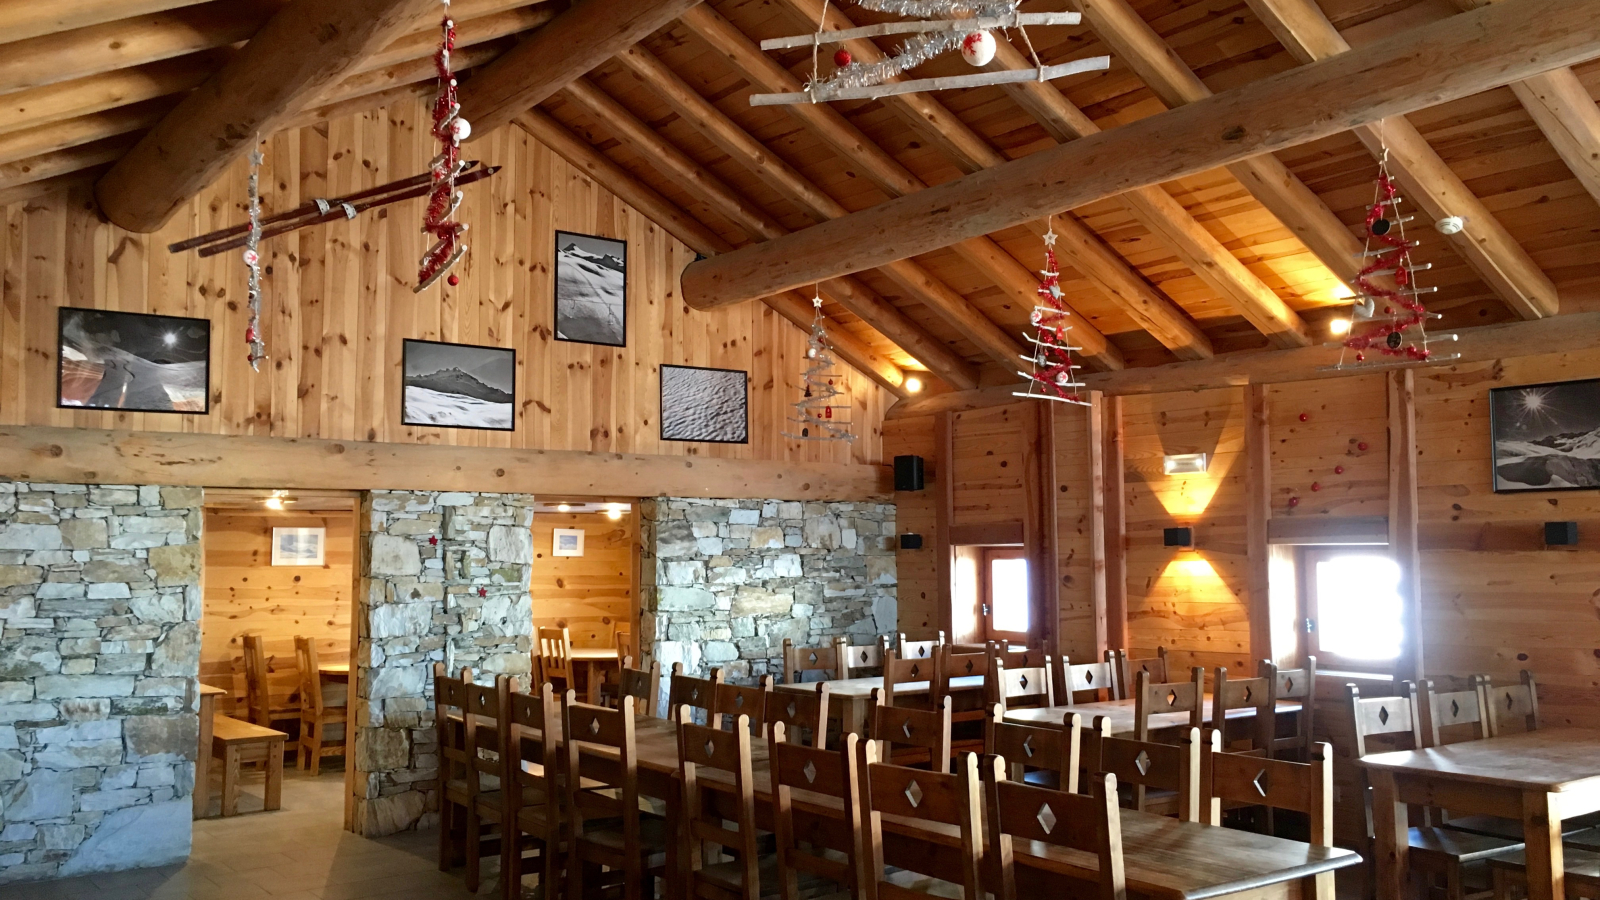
column 1115, row 530
column 1403, row 519
column 1039, row 522
column 944, row 507
column 1096, row 431
column 1257, row 513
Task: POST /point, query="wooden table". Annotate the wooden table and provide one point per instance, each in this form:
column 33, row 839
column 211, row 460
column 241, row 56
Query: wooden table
column 1539, row 778
column 853, row 696
column 593, row 659
column 236, row 742
column 1120, row 714
column 334, row 669
column 202, row 759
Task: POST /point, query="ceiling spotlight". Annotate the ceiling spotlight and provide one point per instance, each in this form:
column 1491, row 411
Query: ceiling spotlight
column 615, row 512
column 563, row 508
column 913, row 384
column 1184, row 464
column 1341, row 291
column 1339, row 326
column 276, row 500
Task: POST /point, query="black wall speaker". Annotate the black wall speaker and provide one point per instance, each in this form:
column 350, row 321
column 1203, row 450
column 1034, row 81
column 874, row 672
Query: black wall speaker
column 910, row 542
column 1177, row 537
column 1560, row 534
column 908, row 473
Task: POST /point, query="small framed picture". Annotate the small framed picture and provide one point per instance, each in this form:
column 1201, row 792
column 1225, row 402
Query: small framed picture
column 591, row 289
column 567, row 542
column 1544, row 436
column 699, row 404
column 299, row 546
column 458, row 385
column 133, row 361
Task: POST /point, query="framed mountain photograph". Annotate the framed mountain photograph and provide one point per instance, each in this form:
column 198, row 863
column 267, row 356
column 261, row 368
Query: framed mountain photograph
column 704, row 405
column 591, row 289
column 459, row 386
column 133, row 361
column 1546, row 437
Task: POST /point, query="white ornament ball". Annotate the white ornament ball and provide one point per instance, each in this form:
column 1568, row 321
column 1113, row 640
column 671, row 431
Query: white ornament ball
column 251, row 257
column 978, row 48
column 1036, row 317
column 1450, row 225
column 1063, row 379
column 460, row 129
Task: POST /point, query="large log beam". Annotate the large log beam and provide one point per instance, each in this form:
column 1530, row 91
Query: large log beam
column 576, row 41
column 1555, row 334
column 1469, row 53
column 307, row 47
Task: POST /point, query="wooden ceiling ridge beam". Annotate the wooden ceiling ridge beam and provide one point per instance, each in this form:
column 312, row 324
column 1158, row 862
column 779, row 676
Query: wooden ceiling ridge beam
column 572, row 44
column 859, row 150
column 1082, row 248
column 678, row 223
column 672, row 162
column 1386, row 78
column 308, row 46
column 1486, row 245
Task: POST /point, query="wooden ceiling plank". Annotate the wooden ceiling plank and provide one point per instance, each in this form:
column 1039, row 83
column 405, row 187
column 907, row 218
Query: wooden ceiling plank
column 20, row 21
column 1428, row 180
column 308, row 46
column 1384, row 79
column 499, row 19
column 64, row 162
column 58, row 102
column 581, row 155
column 83, row 129
column 30, row 190
column 575, row 42
column 673, row 163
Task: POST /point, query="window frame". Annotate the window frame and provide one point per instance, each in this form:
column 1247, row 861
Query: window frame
column 986, row 596
column 1311, row 628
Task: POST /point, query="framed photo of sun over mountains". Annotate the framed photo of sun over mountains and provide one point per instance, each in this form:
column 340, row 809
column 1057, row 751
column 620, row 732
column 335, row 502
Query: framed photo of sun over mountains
column 459, row 386
column 591, row 289
column 1546, row 437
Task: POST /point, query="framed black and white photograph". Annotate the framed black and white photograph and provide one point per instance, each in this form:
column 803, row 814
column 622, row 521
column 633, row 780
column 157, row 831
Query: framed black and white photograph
column 459, row 386
column 1546, row 436
column 566, row 542
column 704, row 405
column 591, row 289
column 299, row 546
column 133, row 361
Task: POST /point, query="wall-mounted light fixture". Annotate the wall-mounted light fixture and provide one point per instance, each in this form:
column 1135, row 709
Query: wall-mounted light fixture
column 1177, row 537
column 1560, row 534
column 1184, row 464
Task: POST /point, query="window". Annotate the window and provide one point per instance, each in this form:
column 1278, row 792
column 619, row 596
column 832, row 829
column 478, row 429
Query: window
column 1353, row 608
column 1006, row 594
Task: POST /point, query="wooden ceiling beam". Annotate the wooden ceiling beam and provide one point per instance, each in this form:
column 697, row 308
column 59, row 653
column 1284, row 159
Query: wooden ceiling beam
column 477, row 21
column 859, row 150
column 38, row 106
column 65, row 161
column 303, row 50
column 586, row 35
column 850, row 293
column 19, row 145
column 1428, row 180
column 20, row 21
column 589, row 160
column 1386, row 78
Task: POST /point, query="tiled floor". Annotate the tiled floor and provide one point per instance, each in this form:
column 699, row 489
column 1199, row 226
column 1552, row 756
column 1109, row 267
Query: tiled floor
column 300, row 852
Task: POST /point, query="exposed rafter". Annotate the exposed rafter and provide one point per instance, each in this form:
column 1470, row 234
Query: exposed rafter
column 1384, row 79
column 1428, row 180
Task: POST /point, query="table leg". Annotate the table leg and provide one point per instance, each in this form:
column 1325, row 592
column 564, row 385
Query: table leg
column 202, row 759
column 274, row 791
column 1390, row 836
column 854, row 716
column 1541, row 828
column 592, row 686
column 230, row 780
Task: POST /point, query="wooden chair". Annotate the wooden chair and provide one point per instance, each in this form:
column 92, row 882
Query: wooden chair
column 260, row 707
column 941, row 797
column 626, row 643
column 1092, row 824
column 1458, row 715
column 695, row 693
column 604, row 824
column 702, row 747
column 1099, row 680
column 918, row 649
column 799, row 660
column 1127, row 668
column 553, row 656
column 1152, row 698
column 898, row 672
column 1294, row 684
column 1256, row 780
column 623, row 638
column 865, row 659
column 835, row 773
column 1507, row 703
column 1046, row 755
column 1016, row 657
column 730, row 701
column 643, row 685
column 318, row 735
column 1435, row 852
column 1166, row 778
column 1023, row 688
column 798, row 712
column 469, row 782
column 966, row 719
column 923, row 733
column 1244, row 693
column 528, row 775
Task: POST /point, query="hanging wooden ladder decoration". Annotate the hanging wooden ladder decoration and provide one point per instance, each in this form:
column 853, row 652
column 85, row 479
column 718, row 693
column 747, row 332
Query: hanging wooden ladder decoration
column 819, row 416
column 1052, row 372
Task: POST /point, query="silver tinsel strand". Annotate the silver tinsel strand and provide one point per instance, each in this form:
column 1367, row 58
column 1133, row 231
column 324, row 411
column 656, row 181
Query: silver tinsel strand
column 815, row 410
column 913, row 51
column 252, row 259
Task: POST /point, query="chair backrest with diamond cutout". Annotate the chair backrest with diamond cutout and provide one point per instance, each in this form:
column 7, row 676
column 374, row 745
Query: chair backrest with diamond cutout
column 1090, row 823
column 1294, row 684
column 729, row 701
column 914, row 736
column 528, row 728
column 945, row 798
column 898, row 673
column 643, row 685
column 695, row 693
column 1148, row 765
column 1394, row 718
column 701, row 747
column 1128, row 669
column 864, row 660
column 834, row 773
column 1155, row 698
column 1507, row 703
column 800, row 712
column 918, row 649
column 1097, row 680
column 1452, row 716
column 1031, row 748
column 1022, row 688
column 1243, row 693
column 1303, row 787
column 602, row 782
column 799, row 660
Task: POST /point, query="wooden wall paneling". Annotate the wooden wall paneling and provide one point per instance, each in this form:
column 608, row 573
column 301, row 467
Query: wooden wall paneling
column 1114, row 527
column 1339, row 417
column 590, row 594
column 1079, row 494
column 1257, row 513
column 917, row 512
column 1040, row 523
column 987, row 483
column 944, row 431
column 1403, row 520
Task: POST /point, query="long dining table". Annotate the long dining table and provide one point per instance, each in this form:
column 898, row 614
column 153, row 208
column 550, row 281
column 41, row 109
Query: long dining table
column 852, row 697
column 1162, row 857
column 1120, row 714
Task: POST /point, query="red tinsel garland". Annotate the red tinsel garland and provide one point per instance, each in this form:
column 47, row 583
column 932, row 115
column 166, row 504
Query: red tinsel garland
column 449, row 129
column 1396, row 264
column 1055, row 371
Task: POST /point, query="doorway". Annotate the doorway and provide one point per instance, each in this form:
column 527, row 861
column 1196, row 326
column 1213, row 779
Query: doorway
column 991, row 596
column 585, row 579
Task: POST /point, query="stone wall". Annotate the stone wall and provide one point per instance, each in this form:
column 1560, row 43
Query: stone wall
column 725, row 581
column 444, row 579
column 99, row 658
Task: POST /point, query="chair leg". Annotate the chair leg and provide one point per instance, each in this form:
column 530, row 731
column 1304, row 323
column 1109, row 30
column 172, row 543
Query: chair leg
column 1452, row 884
column 446, row 839
column 474, row 847
column 316, row 750
column 550, row 868
column 510, row 859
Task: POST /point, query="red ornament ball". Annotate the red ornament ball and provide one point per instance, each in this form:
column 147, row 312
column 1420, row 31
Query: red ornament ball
column 1338, row 470
column 842, row 58
column 1316, row 485
column 454, row 280
column 1362, row 446
column 1293, row 502
column 1304, row 417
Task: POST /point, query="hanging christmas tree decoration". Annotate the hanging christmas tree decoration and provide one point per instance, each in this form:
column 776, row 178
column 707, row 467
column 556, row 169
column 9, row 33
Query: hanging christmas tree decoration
column 1388, row 317
column 252, row 260
column 1053, row 373
column 962, row 25
column 819, row 416
column 450, row 130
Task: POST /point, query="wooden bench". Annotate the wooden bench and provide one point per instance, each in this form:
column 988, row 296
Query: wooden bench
column 235, row 741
